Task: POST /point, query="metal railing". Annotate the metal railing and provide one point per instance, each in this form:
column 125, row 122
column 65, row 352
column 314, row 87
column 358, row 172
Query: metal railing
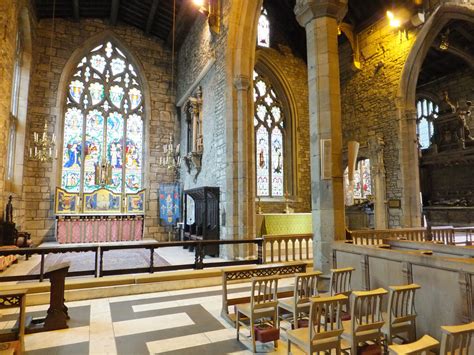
column 101, row 252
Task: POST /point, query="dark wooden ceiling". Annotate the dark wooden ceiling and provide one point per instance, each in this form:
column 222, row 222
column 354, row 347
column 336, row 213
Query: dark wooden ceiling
column 458, row 57
column 154, row 17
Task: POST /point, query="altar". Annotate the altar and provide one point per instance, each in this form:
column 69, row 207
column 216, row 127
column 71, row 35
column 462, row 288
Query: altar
column 103, row 216
column 284, row 223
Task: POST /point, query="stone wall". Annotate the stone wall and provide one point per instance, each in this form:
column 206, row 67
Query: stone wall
column 40, row 179
column 294, row 72
column 368, row 98
column 199, row 47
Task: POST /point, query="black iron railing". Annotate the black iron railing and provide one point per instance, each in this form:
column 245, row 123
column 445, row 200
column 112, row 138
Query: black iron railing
column 101, row 252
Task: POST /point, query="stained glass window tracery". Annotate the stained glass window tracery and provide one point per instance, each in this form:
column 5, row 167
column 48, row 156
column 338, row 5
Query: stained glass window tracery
column 270, row 138
column 426, row 111
column 263, row 30
column 103, row 124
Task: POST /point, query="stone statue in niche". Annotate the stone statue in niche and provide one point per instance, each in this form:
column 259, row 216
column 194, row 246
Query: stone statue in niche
column 9, row 211
column 376, row 148
column 195, row 140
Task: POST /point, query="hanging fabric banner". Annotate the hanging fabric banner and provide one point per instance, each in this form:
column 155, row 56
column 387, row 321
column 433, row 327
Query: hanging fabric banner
column 170, row 200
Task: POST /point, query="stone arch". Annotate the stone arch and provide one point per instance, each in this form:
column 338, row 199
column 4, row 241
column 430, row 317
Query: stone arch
column 71, row 64
column 239, row 204
column 19, row 127
column 411, row 203
column 440, row 17
column 264, row 64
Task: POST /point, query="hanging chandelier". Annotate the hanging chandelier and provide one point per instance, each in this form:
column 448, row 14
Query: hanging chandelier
column 43, row 147
column 171, row 158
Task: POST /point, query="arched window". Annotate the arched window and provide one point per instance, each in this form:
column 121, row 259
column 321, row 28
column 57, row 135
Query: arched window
column 361, row 187
column 362, row 179
column 103, row 124
column 14, row 106
column 270, row 139
column 426, row 111
column 263, row 31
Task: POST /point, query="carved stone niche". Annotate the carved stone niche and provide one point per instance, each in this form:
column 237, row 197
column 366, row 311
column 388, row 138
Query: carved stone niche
column 195, row 140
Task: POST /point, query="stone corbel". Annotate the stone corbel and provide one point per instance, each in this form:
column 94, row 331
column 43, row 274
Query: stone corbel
column 353, row 38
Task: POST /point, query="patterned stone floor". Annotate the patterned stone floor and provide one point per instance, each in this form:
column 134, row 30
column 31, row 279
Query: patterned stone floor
column 176, row 322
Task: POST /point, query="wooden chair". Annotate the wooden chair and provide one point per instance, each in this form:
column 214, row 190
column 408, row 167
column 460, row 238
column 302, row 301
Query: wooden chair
column 401, row 315
column 419, row 347
column 340, row 282
column 263, row 304
column 325, row 326
column 456, row 339
column 366, row 318
column 306, row 286
column 13, row 341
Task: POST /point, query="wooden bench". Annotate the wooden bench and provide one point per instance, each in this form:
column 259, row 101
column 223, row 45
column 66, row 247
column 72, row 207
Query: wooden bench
column 246, row 273
column 12, row 340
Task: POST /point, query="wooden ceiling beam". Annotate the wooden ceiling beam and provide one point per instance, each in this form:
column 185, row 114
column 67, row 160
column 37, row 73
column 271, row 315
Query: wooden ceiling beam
column 114, row 10
column 458, row 52
column 465, row 33
column 75, row 8
column 151, row 16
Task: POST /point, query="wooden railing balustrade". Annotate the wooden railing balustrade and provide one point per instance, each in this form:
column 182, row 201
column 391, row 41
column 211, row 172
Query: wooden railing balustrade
column 278, row 248
column 444, row 235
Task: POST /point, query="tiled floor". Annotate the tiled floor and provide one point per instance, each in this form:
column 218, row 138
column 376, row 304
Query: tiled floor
column 176, row 322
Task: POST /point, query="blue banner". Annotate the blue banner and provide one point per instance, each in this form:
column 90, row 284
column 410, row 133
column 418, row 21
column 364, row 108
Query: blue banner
column 170, row 200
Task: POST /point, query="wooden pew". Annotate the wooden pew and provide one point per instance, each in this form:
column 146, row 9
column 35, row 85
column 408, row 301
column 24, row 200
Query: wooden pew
column 12, row 340
column 246, row 273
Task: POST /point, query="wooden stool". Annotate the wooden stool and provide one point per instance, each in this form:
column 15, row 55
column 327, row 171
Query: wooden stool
column 421, row 346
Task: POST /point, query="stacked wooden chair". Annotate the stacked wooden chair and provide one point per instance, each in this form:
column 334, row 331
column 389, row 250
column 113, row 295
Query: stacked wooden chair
column 263, row 306
column 401, row 315
column 366, row 319
column 325, row 326
column 455, row 340
column 306, row 286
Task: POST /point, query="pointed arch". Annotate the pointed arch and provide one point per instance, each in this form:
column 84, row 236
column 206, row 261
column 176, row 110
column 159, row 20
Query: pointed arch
column 102, row 87
column 406, row 100
column 66, row 74
column 266, row 67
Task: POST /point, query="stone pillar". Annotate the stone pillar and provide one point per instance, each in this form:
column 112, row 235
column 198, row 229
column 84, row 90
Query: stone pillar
column 320, row 19
column 377, row 166
column 243, row 200
column 411, row 202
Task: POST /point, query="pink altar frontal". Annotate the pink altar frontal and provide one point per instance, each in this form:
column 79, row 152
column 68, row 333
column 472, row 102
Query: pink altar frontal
column 99, row 228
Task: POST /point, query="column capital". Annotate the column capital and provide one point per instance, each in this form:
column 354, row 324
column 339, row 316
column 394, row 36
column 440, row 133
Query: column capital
column 241, row 82
column 308, row 10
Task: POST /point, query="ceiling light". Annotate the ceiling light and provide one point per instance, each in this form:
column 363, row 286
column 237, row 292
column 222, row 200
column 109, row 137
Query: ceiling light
column 393, row 20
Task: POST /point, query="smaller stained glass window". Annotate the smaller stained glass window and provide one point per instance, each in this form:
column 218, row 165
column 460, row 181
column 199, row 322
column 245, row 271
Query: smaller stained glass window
column 269, row 139
column 426, row 111
column 263, row 31
column 362, row 180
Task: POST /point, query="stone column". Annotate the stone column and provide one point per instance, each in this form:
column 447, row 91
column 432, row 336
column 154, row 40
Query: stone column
column 320, row 19
column 243, row 203
column 411, row 202
column 376, row 145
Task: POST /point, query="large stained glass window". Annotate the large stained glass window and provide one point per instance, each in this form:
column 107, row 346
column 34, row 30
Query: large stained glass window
column 263, row 30
column 426, row 111
column 269, row 123
column 103, row 124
